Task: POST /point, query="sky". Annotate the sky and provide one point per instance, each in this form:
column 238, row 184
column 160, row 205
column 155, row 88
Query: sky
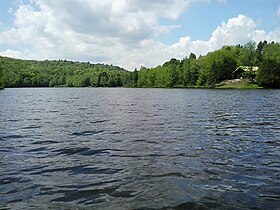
column 132, row 33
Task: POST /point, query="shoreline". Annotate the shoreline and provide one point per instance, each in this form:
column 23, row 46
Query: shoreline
column 194, row 87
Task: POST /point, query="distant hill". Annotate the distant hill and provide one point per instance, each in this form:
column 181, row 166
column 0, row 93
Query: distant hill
column 32, row 73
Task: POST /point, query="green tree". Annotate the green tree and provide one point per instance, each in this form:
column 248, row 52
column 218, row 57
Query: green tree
column 272, row 51
column 269, row 72
column 260, row 51
column 173, row 68
column 94, row 79
column 1, row 76
column 192, row 56
column 216, row 66
column 134, row 78
column 103, row 79
column 190, row 71
column 213, row 75
column 249, row 57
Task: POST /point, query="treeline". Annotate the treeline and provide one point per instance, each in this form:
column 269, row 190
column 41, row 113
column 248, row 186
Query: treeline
column 205, row 71
column 28, row 73
column 210, row 70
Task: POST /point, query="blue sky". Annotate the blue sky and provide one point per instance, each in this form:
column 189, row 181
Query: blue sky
column 201, row 19
column 132, row 33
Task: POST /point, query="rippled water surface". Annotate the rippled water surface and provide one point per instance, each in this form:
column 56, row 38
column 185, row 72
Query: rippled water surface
column 120, row 148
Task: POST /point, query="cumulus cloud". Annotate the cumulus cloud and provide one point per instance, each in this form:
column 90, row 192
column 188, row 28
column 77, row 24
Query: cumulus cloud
column 119, row 32
column 99, row 31
column 237, row 30
column 12, row 53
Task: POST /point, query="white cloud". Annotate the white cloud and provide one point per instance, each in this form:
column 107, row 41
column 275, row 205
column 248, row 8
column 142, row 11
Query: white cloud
column 10, row 10
column 119, row 32
column 237, row 30
column 99, row 31
column 278, row 11
column 12, row 53
column 10, row 36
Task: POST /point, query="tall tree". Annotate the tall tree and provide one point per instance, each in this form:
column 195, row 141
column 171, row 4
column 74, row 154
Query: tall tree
column 1, row 76
column 269, row 72
column 192, row 56
column 249, row 57
column 260, row 51
column 173, row 68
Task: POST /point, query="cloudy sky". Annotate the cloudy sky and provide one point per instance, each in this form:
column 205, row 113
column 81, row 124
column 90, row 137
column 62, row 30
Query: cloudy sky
column 131, row 33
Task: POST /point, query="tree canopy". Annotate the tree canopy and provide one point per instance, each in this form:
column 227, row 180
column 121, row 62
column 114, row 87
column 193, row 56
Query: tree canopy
column 26, row 73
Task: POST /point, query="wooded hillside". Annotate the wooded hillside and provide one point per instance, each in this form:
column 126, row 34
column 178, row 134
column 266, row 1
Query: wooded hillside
column 204, row 71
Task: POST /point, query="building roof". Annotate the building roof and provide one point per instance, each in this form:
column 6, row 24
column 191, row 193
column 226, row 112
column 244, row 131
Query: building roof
column 247, row 68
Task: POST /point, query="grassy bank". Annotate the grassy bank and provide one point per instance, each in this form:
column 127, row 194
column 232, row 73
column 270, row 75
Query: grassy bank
column 237, row 84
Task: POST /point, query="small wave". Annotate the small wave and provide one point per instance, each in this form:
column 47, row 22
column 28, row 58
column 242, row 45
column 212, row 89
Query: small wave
column 114, row 132
column 51, row 170
column 13, row 120
column 274, row 197
column 53, row 111
column 11, row 191
column 14, row 136
column 124, row 194
column 34, row 168
column 198, row 205
column 93, row 170
column 45, row 142
column 84, row 151
column 156, row 155
column 30, row 127
column 94, row 152
column 15, row 200
column 85, row 196
column 152, row 142
column 98, row 121
column 9, row 180
column 172, row 174
column 79, row 170
column 5, row 150
column 35, row 119
column 87, row 133
column 82, row 108
column 37, row 149
column 71, row 151
column 79, row 186
column 212, row 171
column 272, row 143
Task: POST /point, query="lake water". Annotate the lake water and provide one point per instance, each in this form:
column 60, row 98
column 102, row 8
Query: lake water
column 103, row 148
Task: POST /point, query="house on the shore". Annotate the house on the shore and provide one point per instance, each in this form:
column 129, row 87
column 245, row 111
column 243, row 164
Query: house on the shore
column 245, row 72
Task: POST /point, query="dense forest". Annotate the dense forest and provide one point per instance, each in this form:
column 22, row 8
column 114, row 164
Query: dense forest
column 203, row 71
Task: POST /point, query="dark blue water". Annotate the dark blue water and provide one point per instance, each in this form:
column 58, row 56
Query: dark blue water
column 139, row 148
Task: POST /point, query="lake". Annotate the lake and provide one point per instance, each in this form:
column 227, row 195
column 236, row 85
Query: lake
column 121, row 148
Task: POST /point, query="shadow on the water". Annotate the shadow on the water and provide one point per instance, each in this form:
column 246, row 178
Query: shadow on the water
column 203, row 204
column 224, row 201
